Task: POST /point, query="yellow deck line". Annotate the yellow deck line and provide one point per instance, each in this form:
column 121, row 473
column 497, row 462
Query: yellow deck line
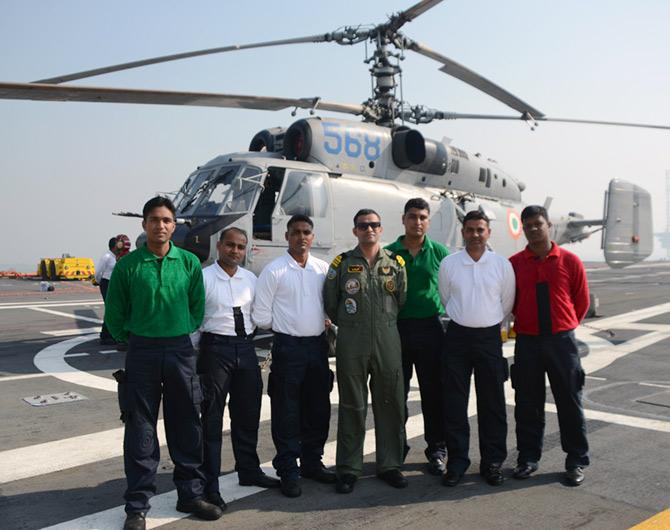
column 660, row 521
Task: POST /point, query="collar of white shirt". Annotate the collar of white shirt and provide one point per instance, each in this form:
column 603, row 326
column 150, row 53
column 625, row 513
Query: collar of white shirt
column 222, row 274
column 309, row 264
column 467, row 259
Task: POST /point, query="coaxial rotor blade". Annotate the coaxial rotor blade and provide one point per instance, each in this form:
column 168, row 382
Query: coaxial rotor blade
column 46, row 92
column 472, row 78
column 177, row 56
column 599, row 122
column 409, row 14
column 441, row 115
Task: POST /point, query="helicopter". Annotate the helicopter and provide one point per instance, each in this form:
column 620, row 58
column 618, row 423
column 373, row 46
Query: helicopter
column 328, row 168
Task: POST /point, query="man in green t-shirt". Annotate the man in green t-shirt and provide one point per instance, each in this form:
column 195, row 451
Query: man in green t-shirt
column 155, row 299
column 421, row 333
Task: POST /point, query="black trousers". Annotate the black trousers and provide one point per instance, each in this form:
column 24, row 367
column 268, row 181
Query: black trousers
column 155, row 367
column 299, row 388
column 228, row 366
column 422, row 348
column 104, row 332
column 478, row 350
column 557, row 356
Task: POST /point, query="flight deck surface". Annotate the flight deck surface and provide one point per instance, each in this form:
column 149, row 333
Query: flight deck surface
column 61, row 464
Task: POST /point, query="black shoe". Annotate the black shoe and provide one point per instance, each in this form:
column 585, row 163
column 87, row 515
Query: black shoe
column 493, row 474
column 121, row 346
column 200, row 508
column 574, row 476
column 451, row 478
column 394, row 477
column 345, row 483
column 215, row 499
column 436, row 466
column 135, row 521
column 107, row 342
column 524, row 470
column 320, row 474
column 262, row 481
column 290, row 488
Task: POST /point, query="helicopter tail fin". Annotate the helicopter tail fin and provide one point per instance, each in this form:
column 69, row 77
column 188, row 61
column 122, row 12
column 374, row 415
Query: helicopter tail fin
column 628, row 232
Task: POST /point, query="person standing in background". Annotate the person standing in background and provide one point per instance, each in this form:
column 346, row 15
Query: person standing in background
column 103, row 272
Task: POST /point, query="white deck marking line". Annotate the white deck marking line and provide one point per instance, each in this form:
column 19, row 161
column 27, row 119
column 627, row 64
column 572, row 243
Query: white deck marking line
column 51, row 360
column 72, row 331
column 632, row 316
column 163, row 506
column 616, row 419
column 640, row 326
column 655, row 385
column 29, row 305
column 23, row 376
column 109, row 351
column 596, row 378
column 68, row 315
column 79, row 354
column 629, row 277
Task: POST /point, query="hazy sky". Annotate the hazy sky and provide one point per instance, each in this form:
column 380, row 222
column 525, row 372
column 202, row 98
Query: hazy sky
column 64, row 167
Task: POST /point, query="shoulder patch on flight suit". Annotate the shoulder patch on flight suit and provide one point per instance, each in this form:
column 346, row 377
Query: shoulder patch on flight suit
column 336, row 262
column 332, row 270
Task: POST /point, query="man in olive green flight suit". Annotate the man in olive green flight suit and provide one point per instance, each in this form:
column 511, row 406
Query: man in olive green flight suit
column 363, row 292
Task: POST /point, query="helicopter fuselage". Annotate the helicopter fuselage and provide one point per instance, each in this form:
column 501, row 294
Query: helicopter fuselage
column 328, row 169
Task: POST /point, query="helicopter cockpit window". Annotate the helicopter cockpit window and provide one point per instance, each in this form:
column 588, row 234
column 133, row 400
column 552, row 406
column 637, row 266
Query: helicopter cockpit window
column 304, row 194
column 216, row 191
column 191, row 192
column 243, row 191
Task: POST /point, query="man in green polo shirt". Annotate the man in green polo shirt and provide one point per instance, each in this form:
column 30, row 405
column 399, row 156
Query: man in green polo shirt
column 421, row 332
column 155, row 299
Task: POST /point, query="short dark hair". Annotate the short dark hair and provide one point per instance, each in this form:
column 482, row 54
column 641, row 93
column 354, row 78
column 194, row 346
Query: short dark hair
column 233, row 229
column 366, row 211
column 418, row 203
column 299, row 218
column 112, row 243
column 532, row 211
column 158, row 202
column 475, row 215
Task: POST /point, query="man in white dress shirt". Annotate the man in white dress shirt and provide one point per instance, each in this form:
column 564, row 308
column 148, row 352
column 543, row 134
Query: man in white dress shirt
column 228, row 366
column 103, row 272
column 477, row 289
column 289, row 300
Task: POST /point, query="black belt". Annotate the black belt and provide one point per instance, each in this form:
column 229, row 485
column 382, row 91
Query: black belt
column 225, row 339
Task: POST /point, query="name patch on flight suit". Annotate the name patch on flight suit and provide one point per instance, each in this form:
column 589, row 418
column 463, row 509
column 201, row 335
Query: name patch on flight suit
column 352, row 286
column 350, row 306
column 355, row 268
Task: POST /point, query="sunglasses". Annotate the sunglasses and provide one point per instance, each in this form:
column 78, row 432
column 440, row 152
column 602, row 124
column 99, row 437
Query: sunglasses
column 364, row 226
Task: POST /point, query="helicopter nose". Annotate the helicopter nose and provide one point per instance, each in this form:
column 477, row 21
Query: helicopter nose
column 197, row 238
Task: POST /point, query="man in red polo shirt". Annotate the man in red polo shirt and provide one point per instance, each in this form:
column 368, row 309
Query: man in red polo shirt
column 552, row 298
